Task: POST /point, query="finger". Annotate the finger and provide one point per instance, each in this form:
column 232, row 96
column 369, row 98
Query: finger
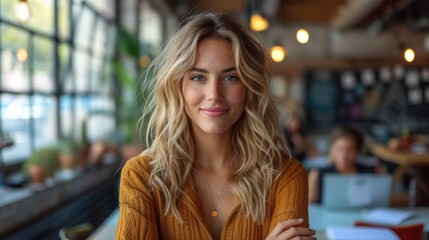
column 284, row 225
column 304, row 238
column 298, row 232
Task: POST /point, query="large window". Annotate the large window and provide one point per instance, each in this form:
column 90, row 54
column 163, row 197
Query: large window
column 55, row 73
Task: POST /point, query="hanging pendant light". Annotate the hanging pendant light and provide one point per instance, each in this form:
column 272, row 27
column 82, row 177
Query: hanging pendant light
column 258, row 22
column 302, row 36
column 22, row 11
column 278, row 52
column 409, row 55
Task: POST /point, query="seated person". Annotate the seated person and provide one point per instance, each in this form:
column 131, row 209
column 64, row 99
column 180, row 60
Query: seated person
column 346, row 144
column 296, row 139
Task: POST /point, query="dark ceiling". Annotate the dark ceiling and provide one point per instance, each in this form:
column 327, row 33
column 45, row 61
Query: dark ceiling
column 363, row 13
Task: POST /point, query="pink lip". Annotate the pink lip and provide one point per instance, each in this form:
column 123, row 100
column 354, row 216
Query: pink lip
column 214, row 112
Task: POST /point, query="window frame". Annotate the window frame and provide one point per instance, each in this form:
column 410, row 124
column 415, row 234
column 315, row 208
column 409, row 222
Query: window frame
column 57, row 76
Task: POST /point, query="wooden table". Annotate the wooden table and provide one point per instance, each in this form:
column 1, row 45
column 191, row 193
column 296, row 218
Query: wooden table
column 321, row 218
column 405, row 159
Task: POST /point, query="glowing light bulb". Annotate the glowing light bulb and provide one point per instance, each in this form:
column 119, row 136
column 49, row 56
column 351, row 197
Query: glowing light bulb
column 22, row 55
column 302, row 36
column 278, row 53
column 409, row 55
column 258, row 22
column 22, row 11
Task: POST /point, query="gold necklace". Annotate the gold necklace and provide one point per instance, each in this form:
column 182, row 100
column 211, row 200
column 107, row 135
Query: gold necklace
column 214, row 204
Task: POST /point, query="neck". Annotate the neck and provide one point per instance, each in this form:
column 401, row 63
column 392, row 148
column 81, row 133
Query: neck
column 347, row 170
column 213, row 152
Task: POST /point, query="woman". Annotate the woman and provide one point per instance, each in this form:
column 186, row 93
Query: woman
column 346, row 144
column 216, row 167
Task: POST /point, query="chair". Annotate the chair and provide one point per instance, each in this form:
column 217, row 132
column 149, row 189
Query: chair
column 406, row 232
column 79, row 232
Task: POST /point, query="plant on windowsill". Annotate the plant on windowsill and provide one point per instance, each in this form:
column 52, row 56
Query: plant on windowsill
column 67, row 152
column 42, row 164
column 132, row 96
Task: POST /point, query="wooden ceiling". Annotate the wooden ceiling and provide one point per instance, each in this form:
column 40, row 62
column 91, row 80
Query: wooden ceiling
column 308, row 11
column 339, row 14
column 227, row 6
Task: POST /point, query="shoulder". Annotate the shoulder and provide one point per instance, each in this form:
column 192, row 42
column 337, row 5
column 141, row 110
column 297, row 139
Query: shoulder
column 136, row 169
column 292, row 166
column 134, row 184
column 292, row 171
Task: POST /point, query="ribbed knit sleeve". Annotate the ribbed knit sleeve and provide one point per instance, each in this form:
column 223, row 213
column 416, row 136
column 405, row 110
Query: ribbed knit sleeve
column 290, row 196
column 141, row 217
column 137, row 209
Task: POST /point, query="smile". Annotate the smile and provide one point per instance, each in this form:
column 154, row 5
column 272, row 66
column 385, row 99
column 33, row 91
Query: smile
column 214, row 112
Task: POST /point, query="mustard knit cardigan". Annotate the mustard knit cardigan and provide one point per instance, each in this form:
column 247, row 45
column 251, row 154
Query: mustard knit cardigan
column 142, row 210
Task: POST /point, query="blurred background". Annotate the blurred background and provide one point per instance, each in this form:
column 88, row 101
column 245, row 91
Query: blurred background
column 70, row 79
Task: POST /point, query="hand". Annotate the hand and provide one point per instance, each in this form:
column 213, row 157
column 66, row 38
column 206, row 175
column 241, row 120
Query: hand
column 288, row 230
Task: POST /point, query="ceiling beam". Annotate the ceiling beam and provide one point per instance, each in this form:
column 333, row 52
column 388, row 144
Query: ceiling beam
column 226, row 6
column 354, row 12
column 309, row 11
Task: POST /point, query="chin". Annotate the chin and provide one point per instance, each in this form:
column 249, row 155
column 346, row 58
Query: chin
column 214, row 129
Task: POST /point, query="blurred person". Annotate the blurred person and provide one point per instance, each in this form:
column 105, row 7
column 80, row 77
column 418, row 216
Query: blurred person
column 346, row 144
column 297, row 141
column 217, row 167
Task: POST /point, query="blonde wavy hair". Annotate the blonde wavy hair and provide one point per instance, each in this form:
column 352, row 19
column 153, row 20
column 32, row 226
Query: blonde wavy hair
column 256, row 140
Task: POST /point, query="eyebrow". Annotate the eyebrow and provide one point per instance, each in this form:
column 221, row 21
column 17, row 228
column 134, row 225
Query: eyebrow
column 195, row 69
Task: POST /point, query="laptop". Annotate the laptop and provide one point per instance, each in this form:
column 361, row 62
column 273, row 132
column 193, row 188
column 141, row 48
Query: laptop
column 356, row 191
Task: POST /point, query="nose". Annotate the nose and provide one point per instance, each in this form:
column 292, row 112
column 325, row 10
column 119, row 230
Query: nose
column 214, row 90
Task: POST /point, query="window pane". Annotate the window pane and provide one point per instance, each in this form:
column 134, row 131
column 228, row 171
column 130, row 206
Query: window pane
column 82, row 71
column 64, row 18
column 82, row 107
column 84, row 28
column 151, row 29
column 69, row 82
column 106, row 78
column 101, row 121
column 7, row 9
column 44, row 115
column 41, row 14
column 104, row 103
column 97, row 84
column 15, row 120
column 14, row 59
column 111, row 40
column 66, row 108
column 106, row 7
column 43, row 65
column 64, row 55
column 100, row 40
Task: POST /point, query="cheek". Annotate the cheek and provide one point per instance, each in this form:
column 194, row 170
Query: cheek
column 191, row 95
column 238, row 95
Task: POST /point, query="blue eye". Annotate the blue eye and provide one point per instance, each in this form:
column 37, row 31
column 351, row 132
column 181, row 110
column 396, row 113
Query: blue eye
column 197, row 78
column 231, row 78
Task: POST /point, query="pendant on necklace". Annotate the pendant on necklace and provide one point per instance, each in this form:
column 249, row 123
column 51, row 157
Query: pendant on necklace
column 214, row 213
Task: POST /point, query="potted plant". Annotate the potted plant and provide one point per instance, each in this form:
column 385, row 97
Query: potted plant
column 67, row 159
column 42, row 164
column 133, row 94
column 67, row 154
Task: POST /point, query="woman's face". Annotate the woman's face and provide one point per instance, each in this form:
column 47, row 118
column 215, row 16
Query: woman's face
column 344, row 152
column 214, row 95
